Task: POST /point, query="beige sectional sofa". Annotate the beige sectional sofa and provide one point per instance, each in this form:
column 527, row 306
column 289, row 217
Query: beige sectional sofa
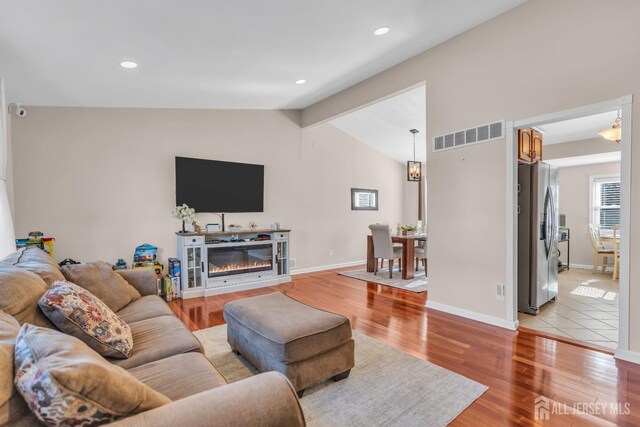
column 166, row 357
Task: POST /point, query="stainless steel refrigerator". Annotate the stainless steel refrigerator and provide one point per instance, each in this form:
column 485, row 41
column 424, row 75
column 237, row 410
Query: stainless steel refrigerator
column 538, row 222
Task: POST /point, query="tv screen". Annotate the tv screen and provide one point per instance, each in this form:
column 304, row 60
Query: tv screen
column 215, row 186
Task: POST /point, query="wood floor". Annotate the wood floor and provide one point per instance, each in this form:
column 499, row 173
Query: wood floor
column 516, row 366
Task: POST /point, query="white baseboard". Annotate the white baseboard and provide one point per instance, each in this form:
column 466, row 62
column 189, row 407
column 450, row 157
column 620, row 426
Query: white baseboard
column 326, row 267
column 491, row 320
column 627, row 355
column 590, row 267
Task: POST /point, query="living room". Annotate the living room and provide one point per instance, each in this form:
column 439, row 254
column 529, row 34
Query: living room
column 91, row 162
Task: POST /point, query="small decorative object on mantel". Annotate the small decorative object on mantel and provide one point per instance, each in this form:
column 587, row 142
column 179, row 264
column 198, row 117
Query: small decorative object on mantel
column 253, row 225
column 234, row 228
column 185, row 214
column 213, row 228
column 409, row 230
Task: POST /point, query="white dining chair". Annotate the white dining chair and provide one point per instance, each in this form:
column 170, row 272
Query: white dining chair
column 383, row 247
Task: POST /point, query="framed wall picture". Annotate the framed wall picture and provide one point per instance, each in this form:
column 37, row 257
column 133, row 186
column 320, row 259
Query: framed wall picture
column 364, row 199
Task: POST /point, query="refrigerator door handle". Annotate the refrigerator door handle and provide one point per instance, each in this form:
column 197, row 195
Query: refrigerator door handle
column 554, row 225
column 547, row 222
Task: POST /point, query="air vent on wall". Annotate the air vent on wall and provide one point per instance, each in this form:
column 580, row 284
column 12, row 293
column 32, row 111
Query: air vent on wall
column 474, row 135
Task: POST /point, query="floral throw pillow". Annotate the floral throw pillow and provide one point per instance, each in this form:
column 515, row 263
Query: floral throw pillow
column 78, row 312
column 65, row 383
column 52, row 405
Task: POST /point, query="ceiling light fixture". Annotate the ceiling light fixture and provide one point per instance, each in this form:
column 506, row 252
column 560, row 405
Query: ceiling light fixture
column 301, row 82
column 380, row 31
column 414, row 169
column 128, row 64
column 615, row 132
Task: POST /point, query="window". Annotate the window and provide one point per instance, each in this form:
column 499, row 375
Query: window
column 605, row 201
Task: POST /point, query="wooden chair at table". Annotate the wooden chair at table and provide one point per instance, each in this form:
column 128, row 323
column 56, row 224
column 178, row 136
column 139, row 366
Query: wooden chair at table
column 383, row 247
column 599, row 249
column 616, row 252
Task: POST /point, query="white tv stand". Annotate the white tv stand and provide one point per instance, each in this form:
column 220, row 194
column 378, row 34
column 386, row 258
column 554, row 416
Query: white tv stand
column 223, row 262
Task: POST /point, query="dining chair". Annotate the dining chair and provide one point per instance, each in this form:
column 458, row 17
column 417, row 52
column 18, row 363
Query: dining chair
column 599, row 249
column 616, row 251
column 383, row 247
column 420, row 252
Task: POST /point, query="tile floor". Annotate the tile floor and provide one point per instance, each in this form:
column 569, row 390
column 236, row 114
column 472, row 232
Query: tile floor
column 586, row 309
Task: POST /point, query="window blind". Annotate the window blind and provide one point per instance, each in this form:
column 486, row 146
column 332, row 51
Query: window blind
column 607, row 201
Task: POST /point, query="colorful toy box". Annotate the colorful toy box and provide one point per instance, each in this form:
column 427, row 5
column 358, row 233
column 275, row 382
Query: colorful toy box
column 145, row 253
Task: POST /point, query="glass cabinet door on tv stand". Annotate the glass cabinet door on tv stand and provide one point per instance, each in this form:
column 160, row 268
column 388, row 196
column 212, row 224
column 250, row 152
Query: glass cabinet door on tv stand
column 194, row 268
column 282, row 257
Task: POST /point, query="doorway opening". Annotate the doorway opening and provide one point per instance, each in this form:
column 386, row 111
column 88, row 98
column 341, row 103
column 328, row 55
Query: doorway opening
column 570, row 201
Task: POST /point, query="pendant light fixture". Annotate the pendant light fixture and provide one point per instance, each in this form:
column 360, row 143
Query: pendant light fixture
column 614, row 133
column 414, row 169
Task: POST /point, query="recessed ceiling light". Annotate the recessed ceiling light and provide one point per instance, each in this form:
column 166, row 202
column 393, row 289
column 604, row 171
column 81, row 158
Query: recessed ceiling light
column 128, row 64
column 380, row 31
column 301, row 82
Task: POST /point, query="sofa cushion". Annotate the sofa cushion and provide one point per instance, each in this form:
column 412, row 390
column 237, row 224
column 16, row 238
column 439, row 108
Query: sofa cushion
column 76, row 311
column 100, row 279
column 155, row 339
column 13, row 408
column 147, row 307
column 37, row 261
column 66, row 383
column 179, row 376
column 145, row 280
column 20, row 291
column 286, row 329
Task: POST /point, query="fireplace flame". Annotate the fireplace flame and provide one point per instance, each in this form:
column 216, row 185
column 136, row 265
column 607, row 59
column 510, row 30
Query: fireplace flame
column 239, row 267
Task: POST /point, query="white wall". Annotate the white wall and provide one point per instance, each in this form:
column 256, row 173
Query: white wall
column 102, row 180
column 10, row 165
column 574, row 203
column 538, row 58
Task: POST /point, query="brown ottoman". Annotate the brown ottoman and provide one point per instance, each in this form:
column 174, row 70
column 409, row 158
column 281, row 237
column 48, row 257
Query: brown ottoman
column 277, row 333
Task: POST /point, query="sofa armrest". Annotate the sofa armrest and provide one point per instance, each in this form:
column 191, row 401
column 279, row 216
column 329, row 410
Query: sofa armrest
column 144, row 280
column 266, row 400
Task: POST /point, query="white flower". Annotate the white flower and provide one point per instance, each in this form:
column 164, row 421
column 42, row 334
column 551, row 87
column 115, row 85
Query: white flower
column 184, row 213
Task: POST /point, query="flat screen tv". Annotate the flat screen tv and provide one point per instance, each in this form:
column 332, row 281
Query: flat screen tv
column 215, row 186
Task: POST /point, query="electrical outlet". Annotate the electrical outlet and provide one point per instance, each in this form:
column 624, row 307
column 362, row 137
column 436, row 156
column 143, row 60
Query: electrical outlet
column 500, row 292
column 330, row 252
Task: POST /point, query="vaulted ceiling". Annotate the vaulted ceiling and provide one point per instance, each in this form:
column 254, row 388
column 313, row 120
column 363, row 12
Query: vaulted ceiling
column 385, row 125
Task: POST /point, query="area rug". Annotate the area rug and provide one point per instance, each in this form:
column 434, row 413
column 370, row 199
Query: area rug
column 417, row 284
column 387, row 387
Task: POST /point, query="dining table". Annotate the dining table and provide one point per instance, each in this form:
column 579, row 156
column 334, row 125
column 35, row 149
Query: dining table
column 408, row 256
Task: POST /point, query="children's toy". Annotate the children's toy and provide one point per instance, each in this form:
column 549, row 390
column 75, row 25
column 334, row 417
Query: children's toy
column 145, row 257
column 174, row 274
column 68, row 261
column 36, row 239
column 145, row 253
column 174, row 267
column 120, row 265
column 47, row 243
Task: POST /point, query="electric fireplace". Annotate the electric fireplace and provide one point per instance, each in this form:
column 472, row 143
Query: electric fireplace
column 229, row 260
